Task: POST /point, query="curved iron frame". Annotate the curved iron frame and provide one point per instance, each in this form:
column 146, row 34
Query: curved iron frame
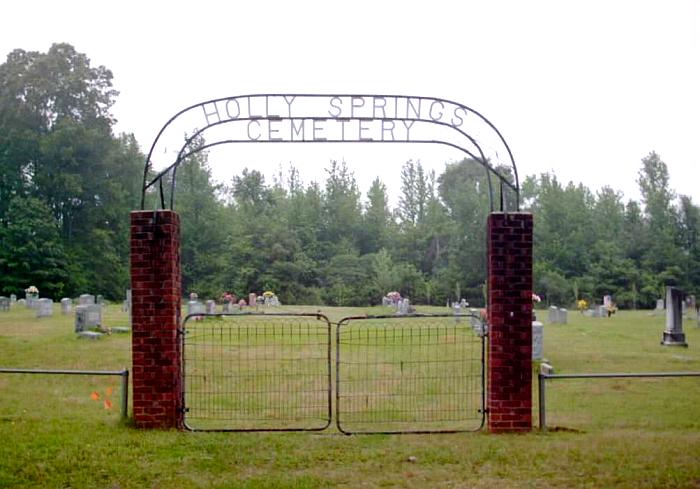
column 183, row 153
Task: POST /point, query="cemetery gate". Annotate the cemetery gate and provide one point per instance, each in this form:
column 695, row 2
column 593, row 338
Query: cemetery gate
column 157, row 345
column 295, row 372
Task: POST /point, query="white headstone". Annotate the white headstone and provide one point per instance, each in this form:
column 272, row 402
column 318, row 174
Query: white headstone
column 659, row 304
column 87, row 316
column 211, row 307
column 44, row 308
column 404, row 305
column 537, row 340
column 195, row 307
column 4, row 303
column 553, row 315
column 563, row 317
column 66, row 305
column 13, row 298
column 86, row 299
column 32, row 301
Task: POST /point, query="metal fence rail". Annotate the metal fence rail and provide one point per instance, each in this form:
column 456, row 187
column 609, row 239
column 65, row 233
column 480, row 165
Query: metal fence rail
column 410, row 374
column 543, row 377
column 124, row 374
column 257, row 372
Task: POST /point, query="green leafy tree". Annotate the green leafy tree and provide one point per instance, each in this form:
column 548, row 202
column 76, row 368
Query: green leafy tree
column 31, row 252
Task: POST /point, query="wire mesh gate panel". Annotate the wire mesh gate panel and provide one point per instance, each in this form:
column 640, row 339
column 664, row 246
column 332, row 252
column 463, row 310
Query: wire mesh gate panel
column 410, row 374
column 257, row 372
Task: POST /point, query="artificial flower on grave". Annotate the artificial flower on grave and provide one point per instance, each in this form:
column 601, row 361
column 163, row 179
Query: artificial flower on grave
column 394, row 296
column 581, row 305
column 536, row 298
column 31, row 290
column 268, row 293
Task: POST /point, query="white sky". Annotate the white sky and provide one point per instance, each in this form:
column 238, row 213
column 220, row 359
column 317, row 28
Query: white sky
column 583, row 88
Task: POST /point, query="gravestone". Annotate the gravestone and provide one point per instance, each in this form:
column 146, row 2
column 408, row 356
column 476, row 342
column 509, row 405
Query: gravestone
column 211, row 307
column 22, row 302
column 66, row 305
column 404, row 307
column 195, row 307
column 4, row 303
column 252, row 299
column 90, row 335
column 32, row 301
column 607, row 301
column 457, row 310
column 601, row 311
column 563, row 316
column 87, row 316
column 86, row 299
column 553, row 315
column 13, row 298
column 100, row 300
column 44, row 308
column 537, row 340
column 659, row 304
column 227, row 307
column 673, row 334
column 126, row 305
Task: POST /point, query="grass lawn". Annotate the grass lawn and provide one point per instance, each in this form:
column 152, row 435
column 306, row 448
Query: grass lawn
column 612, row 433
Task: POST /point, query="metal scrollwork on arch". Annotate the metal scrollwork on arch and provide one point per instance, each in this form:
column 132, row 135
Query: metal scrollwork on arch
column 333, row 118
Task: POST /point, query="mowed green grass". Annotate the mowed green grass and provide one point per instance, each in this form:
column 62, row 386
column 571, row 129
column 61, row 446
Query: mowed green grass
column 628, row 433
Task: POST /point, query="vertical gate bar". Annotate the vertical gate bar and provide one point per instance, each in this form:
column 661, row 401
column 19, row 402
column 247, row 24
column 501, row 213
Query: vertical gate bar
column 541, row 379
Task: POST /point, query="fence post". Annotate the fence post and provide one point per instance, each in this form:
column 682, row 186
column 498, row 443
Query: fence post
column 510, row 322
column 125, row 394
column 156, row 296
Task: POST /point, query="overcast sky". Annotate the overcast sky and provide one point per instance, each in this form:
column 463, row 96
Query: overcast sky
column 582, row 88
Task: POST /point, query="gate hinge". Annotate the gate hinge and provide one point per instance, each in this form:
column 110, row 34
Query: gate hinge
column 484, row 411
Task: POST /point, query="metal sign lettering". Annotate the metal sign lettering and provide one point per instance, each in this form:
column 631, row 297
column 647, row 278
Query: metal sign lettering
column 318, row 118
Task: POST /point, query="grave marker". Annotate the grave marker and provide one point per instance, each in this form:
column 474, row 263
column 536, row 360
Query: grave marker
column 537, row 340
column 66, row 305
column 87, row 316
column 673, row 334
column 563, row 316
column 4, row 303
column 195, row 307
column 44, row 308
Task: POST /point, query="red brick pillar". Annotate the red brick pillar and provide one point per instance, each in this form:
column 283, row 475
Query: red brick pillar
column 155, row 288
column 510, row 322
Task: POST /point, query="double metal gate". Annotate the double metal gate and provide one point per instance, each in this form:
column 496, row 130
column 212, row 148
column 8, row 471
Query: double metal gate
column 391, row 374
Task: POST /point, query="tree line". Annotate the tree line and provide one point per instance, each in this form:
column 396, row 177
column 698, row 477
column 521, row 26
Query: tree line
column 67, row 184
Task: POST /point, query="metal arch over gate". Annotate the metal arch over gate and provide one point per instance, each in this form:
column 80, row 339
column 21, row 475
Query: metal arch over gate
column 420, row 373
column 334, row 118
